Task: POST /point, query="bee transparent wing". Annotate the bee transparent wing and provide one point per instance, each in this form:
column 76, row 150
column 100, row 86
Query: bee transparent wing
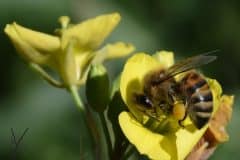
column 188, row 64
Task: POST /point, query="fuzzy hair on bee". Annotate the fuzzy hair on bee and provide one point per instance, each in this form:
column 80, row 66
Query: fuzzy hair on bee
column 190, row 96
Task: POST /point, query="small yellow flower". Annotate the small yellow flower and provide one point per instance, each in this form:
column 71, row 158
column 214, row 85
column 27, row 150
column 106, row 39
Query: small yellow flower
column 173, row 145
column 71, row 52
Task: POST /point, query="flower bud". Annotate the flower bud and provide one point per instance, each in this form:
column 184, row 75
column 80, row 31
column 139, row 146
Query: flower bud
column 97, row 88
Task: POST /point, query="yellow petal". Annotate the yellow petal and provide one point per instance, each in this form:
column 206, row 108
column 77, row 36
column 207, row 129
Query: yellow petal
column 118, row 49
column 92, row 32
column 164, row 57
column 31, row 45
column 146, row 142
column 111, row 51
column 171, row 146
column 67, row 65
column 83, row 61
column 24, row 49
column 41, row 41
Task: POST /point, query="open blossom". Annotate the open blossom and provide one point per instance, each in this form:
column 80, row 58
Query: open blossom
column 177, row 142
column 72, row 50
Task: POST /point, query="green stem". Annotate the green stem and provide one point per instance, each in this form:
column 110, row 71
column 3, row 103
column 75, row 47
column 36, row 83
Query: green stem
column 122, row 150
column 95, row 134
column 83, row 118
column 129, row 152
column 74, row 92
column 106, row 133
column 87, row 118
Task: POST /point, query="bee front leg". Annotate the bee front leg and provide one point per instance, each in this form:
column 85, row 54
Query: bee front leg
column 181, row 121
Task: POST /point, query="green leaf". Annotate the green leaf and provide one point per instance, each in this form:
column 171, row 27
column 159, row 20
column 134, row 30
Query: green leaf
column 97, row 88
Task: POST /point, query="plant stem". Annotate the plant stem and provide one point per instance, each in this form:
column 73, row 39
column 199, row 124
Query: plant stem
column 119, row 149
column 87, row 119
column 74, row 92
column 83, row 118
column 129, row 152
column 95, row 133
column 106, row 133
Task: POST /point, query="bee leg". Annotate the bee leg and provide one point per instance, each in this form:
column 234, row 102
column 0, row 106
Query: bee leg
column 180, row 121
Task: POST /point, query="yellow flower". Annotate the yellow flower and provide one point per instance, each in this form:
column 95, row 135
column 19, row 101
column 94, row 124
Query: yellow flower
column 71, row 52
column 174, row 144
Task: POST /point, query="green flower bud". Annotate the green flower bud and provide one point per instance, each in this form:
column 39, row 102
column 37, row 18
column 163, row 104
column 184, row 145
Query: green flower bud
column 97, row 88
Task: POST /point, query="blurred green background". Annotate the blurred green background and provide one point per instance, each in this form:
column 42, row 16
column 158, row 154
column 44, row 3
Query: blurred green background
column 187, row 27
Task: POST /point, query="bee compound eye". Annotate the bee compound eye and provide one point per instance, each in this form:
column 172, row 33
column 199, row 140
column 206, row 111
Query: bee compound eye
column 144, row 101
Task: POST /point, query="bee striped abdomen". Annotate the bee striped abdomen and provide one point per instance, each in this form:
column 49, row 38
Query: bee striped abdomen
column 199, row 98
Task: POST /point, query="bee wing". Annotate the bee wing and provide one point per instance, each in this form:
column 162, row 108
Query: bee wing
column 188, row 64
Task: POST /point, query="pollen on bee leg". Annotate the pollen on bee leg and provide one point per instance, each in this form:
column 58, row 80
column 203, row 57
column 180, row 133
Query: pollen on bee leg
column 179, row 111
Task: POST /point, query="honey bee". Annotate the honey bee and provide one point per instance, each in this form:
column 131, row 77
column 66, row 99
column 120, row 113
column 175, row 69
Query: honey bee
column 190, row 95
